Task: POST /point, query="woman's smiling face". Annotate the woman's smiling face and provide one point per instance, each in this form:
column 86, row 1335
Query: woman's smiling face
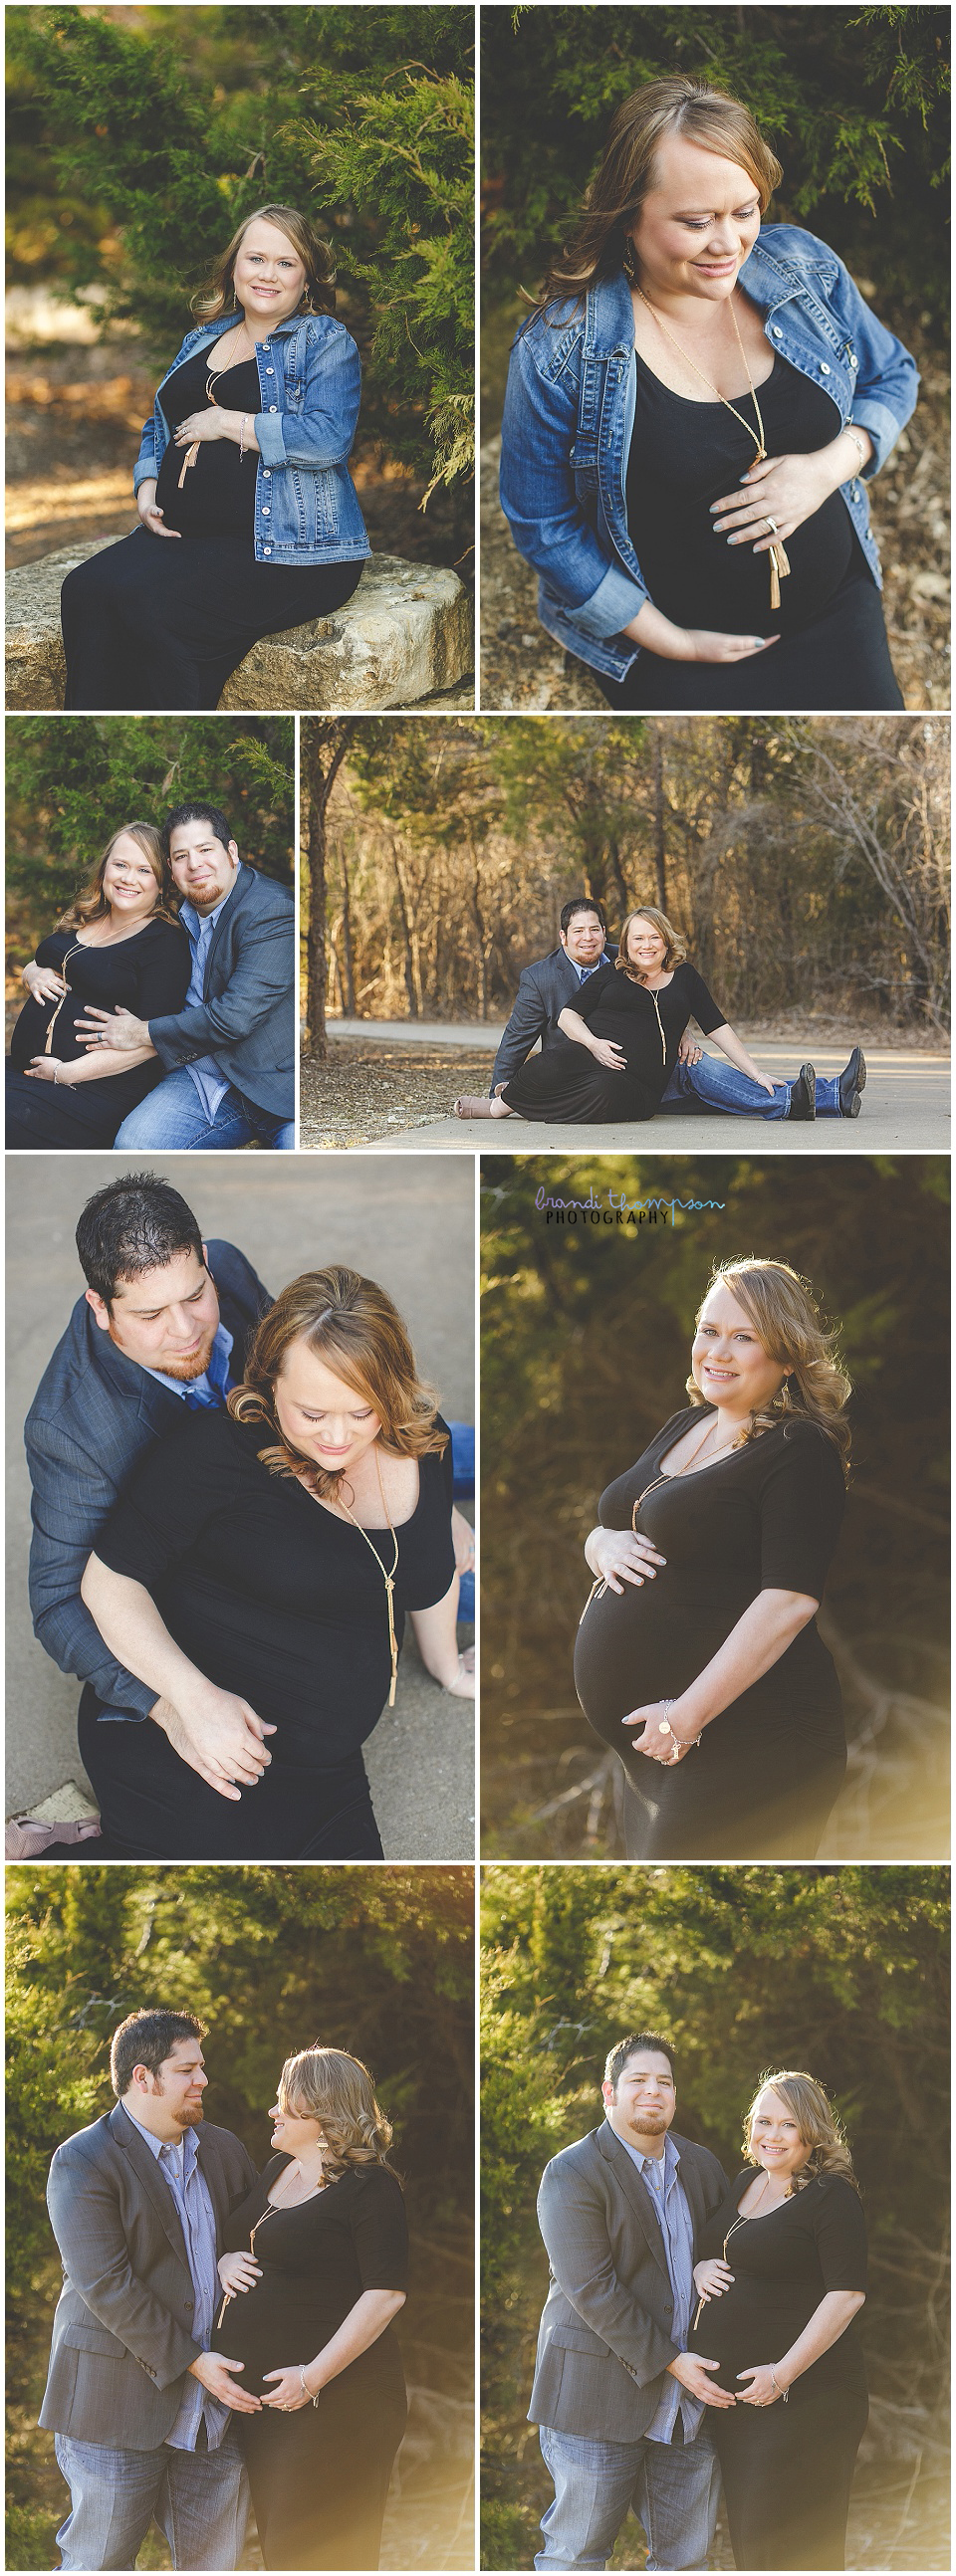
column 268, row 275
column 696, row 225
column 728, row 1360
column 320, row 1415
column 129, row 883
column 775, row 2140
column 646, row 950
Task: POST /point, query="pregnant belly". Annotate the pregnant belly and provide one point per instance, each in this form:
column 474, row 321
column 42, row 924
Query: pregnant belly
column 750, row 2324
column 637, row 1645
column 323, row 1686
column 696, row 578
column 271, row 2326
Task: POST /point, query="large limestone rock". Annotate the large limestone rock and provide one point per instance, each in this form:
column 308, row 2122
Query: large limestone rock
column 405, row 635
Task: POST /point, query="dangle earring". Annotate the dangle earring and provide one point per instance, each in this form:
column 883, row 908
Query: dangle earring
column 629, row 262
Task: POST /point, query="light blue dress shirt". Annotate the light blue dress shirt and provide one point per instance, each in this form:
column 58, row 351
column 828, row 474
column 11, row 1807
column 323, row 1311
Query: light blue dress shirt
column 210, row 1083
column 179, row 2165
column 582, row 972
column 661, row 2176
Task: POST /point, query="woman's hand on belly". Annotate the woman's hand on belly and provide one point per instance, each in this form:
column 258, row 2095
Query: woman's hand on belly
column 658, row 634
column 710, row 2279
column 763, row 2390
column 787, row 489
column 48, row 1068
column 664, row 1739
column 219, row 1736
column 42, row 982
column 238, row 2272
column 151, row 518
column 618, row 1557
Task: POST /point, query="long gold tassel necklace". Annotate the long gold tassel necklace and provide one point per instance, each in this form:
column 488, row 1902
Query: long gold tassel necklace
column 211, row 374
column 779, row 565
column 387, row 1578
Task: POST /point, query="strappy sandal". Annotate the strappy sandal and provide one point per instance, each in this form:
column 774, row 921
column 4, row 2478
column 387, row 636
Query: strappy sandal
column 469, row 1106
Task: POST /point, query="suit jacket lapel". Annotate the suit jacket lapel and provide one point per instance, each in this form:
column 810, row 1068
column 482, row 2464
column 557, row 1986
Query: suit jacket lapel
column 147, row 2170
column 635, row 2191
column 227, row 915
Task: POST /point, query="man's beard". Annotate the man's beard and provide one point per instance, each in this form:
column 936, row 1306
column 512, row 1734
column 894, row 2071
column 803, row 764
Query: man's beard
column 193, row 1366
column 189, row 2119
column 652, row 2124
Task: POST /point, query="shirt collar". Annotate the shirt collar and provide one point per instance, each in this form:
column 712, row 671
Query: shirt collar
column 217, row 1373
column 666, row 2166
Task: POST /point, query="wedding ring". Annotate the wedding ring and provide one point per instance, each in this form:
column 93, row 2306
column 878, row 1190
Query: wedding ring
column 772, row 525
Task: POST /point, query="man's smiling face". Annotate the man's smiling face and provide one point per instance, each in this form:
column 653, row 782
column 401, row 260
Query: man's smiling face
column 165, row 1318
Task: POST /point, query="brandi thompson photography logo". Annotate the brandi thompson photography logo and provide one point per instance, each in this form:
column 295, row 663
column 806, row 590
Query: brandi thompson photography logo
column 614, row 1207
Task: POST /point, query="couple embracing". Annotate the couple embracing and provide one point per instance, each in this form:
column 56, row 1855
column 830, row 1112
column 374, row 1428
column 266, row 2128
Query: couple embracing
column 160, row 1010
column 698, row 2331
column 220, row 2330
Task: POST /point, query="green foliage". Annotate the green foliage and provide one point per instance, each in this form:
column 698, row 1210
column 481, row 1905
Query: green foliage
column 854, row 105
column 843, row 1972
column 72, row 780
column 586, row 1334
column 155, row 138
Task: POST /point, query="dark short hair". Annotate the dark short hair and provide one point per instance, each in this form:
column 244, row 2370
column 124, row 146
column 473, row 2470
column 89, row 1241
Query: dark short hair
column 136, row 1223
column 620, row 2056
column 582, row 903
column 147, row 2039
column 195, row 813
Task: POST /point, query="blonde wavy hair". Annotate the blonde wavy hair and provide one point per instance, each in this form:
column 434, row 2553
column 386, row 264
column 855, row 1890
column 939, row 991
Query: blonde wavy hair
column 817, row 2121
column 628, row 171
column 91, row 904
column 784, row 1314
column 676, row 951
column 327, row 2085
column 351, row 1324
column 318, row 294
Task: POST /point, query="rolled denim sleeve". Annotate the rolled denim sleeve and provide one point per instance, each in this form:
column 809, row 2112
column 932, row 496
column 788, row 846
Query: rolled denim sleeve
column 887, row 381
column 322, row 434
column 541, row 505
column 146, row 469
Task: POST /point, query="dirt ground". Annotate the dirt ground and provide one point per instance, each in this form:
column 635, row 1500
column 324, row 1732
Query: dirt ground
column 522, row 668
column 364, row 1091
column 74, row 415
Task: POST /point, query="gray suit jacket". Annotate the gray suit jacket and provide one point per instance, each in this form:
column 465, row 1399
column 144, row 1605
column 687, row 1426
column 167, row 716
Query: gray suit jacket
column 93, row 1413
column 545, row 989
column 246, row 1019
column 605, row 2337
column 122, row 2333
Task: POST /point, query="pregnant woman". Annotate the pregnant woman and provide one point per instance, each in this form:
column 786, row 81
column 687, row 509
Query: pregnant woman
column 691, row 422
column 315, row 2273
column 710, row 1564
column 781, row 2277
column 258, row 1568
column 120, row 946
column 617, row 1056
column 248, row 517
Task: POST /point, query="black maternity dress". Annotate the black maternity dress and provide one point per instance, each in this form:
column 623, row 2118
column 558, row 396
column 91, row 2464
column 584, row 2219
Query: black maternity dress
column 319, row 2477
column 565, row 1087
column 147, row 974
column 787, row 2469
column 833, row 651
column 275, row 1598
column 161, row 622
column 762, row 1781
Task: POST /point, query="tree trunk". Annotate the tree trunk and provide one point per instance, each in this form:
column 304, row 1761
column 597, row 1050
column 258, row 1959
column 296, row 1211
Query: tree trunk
column 407, row 954
column 348, row 962
column 660, row 855
column 324, row 743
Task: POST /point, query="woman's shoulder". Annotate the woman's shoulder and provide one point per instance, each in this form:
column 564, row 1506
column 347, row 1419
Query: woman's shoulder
column 801, row 251
column 374, row 2184
column 162, row 932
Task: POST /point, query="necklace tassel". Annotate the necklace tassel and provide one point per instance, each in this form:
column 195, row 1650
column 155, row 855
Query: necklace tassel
column 779, row 567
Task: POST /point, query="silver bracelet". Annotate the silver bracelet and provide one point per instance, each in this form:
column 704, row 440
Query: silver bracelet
column 858, row 444
column 307, row 2392
column 781, row 2392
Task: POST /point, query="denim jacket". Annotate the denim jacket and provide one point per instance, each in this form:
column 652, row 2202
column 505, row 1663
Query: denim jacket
column 306, row 506
column 569, row 415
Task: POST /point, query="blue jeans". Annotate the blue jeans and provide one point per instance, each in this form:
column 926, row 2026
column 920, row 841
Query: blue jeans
column 720, row 1086
column 172, row 1118
column 673, row 2491
column 463, row 1471
column 200, row 2500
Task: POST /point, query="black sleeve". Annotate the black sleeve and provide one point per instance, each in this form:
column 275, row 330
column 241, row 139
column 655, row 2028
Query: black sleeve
column 163, row 971
column 380, row 2232
column 801, row 1502
column 840, row 2230
column 175, row 1488
column 592, row 992
column 701, row 1004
